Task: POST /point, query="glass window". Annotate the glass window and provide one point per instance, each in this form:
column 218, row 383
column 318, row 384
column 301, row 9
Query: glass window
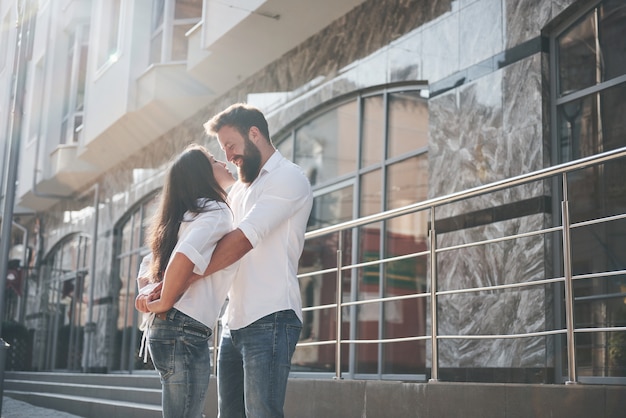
column 171, row 20
column 342, row 150
column 130, row 251
column 408, row 123
column 108, row 45
column 326, row 146
column 591, row 56
column 75, row 74
column 593, row 50
column 371, row 193
column 373, row 135
column 4, row 40
column 66, row 282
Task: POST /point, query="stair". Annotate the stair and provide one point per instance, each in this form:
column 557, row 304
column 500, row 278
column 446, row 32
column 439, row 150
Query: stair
column 88, row 395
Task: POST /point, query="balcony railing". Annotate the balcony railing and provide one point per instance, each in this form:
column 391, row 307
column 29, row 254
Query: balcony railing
column 559, row 172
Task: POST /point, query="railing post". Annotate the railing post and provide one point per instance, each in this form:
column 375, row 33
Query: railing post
column 434, row 371
column 339, row 317
column 569, row 288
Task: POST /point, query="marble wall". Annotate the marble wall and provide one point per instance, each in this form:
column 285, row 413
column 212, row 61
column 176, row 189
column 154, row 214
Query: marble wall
column 487, row 123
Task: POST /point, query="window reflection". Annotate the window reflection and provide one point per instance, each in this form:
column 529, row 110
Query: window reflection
column 130, row 244
column 339, row 162
column 408, row 123
column 66, row 272
column 326, row 146
column 590, row 53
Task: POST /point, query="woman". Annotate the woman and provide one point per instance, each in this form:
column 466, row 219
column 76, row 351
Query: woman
column 193, row 215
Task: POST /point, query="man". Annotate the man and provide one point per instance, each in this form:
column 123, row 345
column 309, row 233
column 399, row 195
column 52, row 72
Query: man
column 271, row 203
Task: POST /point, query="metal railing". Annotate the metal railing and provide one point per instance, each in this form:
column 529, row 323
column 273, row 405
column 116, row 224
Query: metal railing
column 432, row 295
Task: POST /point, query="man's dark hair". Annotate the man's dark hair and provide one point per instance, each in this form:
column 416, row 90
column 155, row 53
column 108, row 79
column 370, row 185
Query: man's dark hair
column 240, row 116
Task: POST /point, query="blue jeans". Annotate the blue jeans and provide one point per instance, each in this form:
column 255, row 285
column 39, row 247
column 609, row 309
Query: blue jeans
column 179, row 347
column 254, row 364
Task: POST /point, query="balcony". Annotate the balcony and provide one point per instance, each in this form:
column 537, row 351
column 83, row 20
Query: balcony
column 235, row 41
column 165, row 96
column 68, row 174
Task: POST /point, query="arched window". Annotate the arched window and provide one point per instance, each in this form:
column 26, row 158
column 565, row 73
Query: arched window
column 64, row 303
column 129, row 249
column 364, row 154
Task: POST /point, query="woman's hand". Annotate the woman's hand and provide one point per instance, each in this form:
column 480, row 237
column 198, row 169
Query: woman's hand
column 158, row 306
column 143, row 298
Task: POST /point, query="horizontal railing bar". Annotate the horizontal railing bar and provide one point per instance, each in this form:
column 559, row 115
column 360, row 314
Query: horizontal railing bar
column 603, row 296
column 500, row 239
column 599, row 220
column 504, row 336
column 599, row 275
column 320, row 307
column 476, row 191
column 317, row 272
column 385, row 260
column 386, row 299
column 315, row 343
column 463, row 337
column 609, row 329
column 501, row 286
column 387, row 340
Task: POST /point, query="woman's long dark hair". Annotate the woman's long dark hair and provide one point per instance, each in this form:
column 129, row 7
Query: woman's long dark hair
column 189, row 181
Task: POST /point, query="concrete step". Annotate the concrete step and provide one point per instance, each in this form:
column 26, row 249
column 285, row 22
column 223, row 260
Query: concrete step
column 147, row 380
column 87, row 407
column 95, row 395
column 111, row 393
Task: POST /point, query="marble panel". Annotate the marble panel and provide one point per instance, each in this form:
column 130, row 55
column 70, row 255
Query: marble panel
column 465, row 128
column 372, row 71
column 405, row 58
column 522, row 91
column 501, row 312
column 481, row 33
column 440, row 47
column 524, row 20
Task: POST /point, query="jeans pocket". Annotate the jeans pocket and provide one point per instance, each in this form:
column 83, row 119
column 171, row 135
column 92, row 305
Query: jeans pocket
column 162, row 352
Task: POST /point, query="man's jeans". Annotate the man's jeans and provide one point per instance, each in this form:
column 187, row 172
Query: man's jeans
column 253, row 366
column 179, row 347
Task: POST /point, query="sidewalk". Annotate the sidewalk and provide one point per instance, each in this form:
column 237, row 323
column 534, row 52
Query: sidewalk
column 12, row 408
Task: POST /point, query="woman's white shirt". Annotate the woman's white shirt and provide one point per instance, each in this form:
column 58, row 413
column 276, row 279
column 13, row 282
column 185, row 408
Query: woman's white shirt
column 197, row 238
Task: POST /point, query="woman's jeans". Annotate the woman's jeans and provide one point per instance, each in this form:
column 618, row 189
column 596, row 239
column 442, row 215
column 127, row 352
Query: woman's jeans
column 179, row 347
column 254, row 364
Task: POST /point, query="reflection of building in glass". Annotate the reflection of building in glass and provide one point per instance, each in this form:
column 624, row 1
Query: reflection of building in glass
column 443, row 97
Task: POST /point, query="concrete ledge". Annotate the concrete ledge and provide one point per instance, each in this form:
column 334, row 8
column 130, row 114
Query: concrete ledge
column 372, row 399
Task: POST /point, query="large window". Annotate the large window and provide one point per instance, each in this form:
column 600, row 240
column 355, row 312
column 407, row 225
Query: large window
column 75, row 72
column 65, row 273
column 171, row 20
column 4, row 40
column 589, row 102
column 363, row 156
column 130, row 249
column 110, row 16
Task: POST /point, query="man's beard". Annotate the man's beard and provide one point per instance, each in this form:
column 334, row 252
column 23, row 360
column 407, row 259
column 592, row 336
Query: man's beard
column 250, row 166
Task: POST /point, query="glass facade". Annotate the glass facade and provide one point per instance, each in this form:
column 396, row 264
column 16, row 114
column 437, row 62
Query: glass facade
column 171, row 20
column 130, row 247
column 363, row 156
column 590, row 92
column 65, row 282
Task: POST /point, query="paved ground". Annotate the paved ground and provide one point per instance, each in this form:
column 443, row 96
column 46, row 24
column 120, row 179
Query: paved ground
column 12, row 408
